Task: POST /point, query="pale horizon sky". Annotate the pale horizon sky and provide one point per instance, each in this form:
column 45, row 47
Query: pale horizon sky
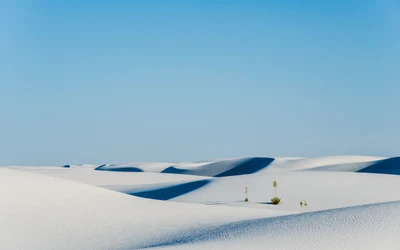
column 118, row 81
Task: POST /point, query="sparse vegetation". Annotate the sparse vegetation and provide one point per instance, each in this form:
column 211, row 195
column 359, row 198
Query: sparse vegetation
column 276, row 200
column 303, row 203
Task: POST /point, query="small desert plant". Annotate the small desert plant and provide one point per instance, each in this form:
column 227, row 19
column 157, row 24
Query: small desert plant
column 275, row 185
column 275, row 200
column 246, row 191
column 303, row 203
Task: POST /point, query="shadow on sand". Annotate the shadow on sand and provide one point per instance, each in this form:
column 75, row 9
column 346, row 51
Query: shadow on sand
column 265, row 203
column 173, row 170
column 249, row 167
column 170, row 192
column 122, row 169
column 387, row 166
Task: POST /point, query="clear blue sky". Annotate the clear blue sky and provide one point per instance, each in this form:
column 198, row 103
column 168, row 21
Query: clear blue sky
column 116, row 81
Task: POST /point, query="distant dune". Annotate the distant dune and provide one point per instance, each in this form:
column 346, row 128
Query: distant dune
column 352, row 203
column 217, row 168
column 381, row 166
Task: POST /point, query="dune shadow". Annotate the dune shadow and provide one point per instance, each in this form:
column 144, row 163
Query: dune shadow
column 170, row 192
column 265, row 203
column 249, row 167
column 173, row 170
column 387, row 166
column 121, row 169
column 251, row 202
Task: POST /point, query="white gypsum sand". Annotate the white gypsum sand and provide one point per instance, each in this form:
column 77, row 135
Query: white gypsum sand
column 353, row 203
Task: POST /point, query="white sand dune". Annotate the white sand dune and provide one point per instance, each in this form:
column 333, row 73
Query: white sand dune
column 137, row 166
column 353, row 203
column 321, row 190
column 382, row 166
column 310, row 163
column 250, row 165
column 218, row 168
column 90, row 166
column 367, row 227
column 104, row 178
column 44, row 213
column 226, row 167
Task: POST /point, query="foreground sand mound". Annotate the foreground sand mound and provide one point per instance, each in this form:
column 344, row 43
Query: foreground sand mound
column 367, row 227
column 39, row 212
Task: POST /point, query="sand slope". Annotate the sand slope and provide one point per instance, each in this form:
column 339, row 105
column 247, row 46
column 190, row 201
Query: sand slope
column 367, row 227
column 44, row 213
column 353, row 203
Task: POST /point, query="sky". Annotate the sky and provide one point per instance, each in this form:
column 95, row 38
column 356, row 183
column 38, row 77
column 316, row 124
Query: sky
column 118, row 81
